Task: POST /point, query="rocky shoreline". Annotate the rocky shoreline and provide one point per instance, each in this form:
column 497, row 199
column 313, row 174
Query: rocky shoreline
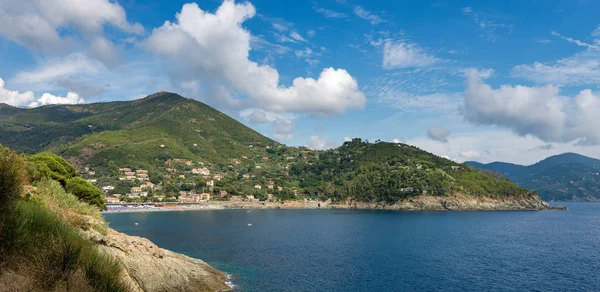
column 147, row 267
column 419, row 203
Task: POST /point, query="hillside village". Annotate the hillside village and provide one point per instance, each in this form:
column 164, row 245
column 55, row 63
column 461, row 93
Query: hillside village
column 260, row 175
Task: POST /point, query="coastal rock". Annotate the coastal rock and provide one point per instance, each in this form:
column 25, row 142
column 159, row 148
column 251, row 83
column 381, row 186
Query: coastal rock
column 150, row 268
column 455, row 202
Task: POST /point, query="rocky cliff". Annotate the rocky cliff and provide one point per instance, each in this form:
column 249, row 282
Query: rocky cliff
column 148, row 267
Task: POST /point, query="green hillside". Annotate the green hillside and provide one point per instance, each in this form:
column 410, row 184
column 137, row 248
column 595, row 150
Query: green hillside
column 564, row 177
column 173, row 138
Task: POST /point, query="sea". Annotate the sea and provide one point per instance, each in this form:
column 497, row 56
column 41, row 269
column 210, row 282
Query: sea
column 375, row 250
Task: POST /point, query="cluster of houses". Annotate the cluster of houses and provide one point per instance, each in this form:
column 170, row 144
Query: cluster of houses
column 128, row 174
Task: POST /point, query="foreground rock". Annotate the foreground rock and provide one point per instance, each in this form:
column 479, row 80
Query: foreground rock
column 150, row 268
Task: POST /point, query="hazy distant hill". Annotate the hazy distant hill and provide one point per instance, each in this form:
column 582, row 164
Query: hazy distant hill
column 153, row 132
column 564, row 177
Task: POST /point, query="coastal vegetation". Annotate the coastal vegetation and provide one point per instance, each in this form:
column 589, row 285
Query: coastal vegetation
column 40, row 246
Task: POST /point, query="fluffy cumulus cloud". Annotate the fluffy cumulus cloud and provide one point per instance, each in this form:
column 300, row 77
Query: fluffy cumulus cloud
column 438, row 134
column 14, row 98
column 43, row 25
column 214, row 48
column 47, row 98
column 538, row 111
column 405, row 55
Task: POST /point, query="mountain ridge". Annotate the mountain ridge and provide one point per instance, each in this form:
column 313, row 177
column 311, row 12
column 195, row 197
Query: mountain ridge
column 564, row 177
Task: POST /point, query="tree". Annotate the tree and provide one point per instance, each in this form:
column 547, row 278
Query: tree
column 85, row 191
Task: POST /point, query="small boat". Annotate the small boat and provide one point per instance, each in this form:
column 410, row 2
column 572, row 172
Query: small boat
column 136, row 223
column 249, row 224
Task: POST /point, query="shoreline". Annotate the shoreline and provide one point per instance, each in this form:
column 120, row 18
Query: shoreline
column 420, row 203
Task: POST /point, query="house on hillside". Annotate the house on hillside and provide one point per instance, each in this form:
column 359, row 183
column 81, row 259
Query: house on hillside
column 124, row 169
column 108, row 188
column 143, row 194
column 218, row 177
column 130, row 177
column 112, row 200
column 204, row 197
column 141, row 171
column 236, row 198
column 210, row 183
column 136, row 190
column 129, row 173
column 250, row 198
column 246, row 176
column 456, row 167
column 280, row 189
column 182, row 176
column 92, row 180
column 92, row 173
column 258, row 187
column 222, row 194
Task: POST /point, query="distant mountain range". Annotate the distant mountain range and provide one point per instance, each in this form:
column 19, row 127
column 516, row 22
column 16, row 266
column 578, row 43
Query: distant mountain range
column 564, row 177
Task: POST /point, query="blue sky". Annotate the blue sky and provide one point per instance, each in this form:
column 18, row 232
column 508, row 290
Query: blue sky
column 470, row 80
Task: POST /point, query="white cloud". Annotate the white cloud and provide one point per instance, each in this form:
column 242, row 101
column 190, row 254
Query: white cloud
column 297, row 36
column 537, row 111
column 438, row 134
column 582, row 68
column 47, row 98
column 197, row 40
column 574, row 41
column 52, row 69
column 470, row 155
column 499, row 145
column 405, row 55
column 316, row 142
column 330, row 13
column 365, row 14
column 257, row 116
column 14, row 98
column 45, row 25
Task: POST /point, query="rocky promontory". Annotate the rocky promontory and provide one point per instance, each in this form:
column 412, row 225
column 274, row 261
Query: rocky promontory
column 147, row 267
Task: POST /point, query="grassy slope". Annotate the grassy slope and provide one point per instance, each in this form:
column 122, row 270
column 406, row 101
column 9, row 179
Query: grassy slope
column 41, row 247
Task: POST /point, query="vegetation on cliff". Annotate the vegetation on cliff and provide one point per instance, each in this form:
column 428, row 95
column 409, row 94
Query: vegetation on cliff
column 41, row 248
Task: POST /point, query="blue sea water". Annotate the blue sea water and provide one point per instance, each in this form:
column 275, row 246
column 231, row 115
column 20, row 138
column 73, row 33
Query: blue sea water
column 362, row 250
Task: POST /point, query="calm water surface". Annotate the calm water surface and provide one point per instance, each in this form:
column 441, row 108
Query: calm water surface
column 354, row 250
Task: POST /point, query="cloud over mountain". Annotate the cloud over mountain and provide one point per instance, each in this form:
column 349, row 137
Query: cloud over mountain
column 214, row 49
column 538, row 111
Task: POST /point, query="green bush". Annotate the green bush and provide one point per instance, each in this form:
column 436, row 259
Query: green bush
column 85, row 191
column 12, row 179
column 48, row 165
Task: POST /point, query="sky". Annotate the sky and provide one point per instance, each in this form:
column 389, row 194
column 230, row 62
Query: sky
column 511, row 81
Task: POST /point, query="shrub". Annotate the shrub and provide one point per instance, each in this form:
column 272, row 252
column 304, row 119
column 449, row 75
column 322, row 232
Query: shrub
column 85, row 191
column 49, row 251
column 48, row 165
column 12, row 179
